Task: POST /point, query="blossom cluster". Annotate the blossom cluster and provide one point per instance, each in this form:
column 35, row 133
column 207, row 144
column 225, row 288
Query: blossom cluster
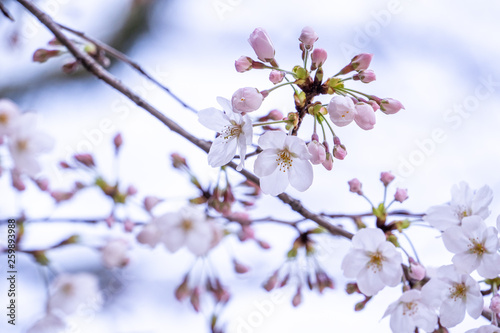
column 285, row 158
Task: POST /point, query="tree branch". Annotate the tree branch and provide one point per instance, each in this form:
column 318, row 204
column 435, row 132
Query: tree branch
column 96, row 69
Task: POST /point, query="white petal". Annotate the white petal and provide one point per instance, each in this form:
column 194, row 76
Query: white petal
column 369, row 282
column 490, row 239
column 401, row 322
column 221, row 152
column 473, row 226
column 226, row 104
column 174, row 239
column 300, row 174
column 354, row 262
column 275, row 183
column 490, row 266
column 454, row 240
column 452, row 312
column 266, row 163
column 297, row 146
column 391, row 274
column 242, row 146
column 272, row 140
column 461, row 194
column 199, row 240
column 481, row 201
column 213, row 119
column 425, row 318
column 441, row 217
column 466, row 262
column 368, row 239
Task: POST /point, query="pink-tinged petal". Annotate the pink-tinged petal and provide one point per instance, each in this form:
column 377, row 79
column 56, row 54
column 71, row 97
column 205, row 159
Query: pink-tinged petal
column 466, row 262
column 490, row 266
column 300, row 174
column 455, row 240
column 481, row 201
column 266, row 163
column 369, row 282
column 173, row 239
column 199, row 241
column 354, row 262
column 213, row 119
column 368, row 239
column 297, row 146
column 225, row 104
column 274, row 184
column 452, row 312
column 490, row 239
column 441, row 217
column 222, row 151
column 272, row 140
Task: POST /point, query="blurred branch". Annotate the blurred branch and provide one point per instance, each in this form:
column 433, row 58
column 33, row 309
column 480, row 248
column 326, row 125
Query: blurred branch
column 96, row 69
column 5, row 12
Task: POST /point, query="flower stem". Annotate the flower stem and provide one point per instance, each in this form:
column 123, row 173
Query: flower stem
column 270, row 123
column 279, row 86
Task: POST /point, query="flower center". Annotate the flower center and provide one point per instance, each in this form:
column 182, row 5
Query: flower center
column 410, row 308
column 22, row 145
column 463, row 211
column 186, row 225
column 231, row 131
column 285, row 160
column 67, row 289
column 458, row 290
column 475, row 247
column 4, row 119
column 376, row 259
column 343, row 116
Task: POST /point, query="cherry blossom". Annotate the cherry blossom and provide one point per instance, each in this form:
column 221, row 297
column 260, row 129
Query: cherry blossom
column 411, row 310
column 308, row 36
column 342, row 110
column 246, row 99
column 26, row 143
column 456, row 293
column 188, row 227
column 69, row 291
column 365, row 116
column 485, row 329
column 261, row 44
column 475, row 246
column 235, row 132
column 373, row 261
column 9, row 114
column 114, row 253
column 284, row 160
column 464, row 202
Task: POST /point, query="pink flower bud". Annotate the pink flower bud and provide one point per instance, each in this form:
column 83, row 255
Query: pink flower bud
column 178, row 161
column 417, row 271
column 60, row 196
column 240, row 268
column 263, row 244
column 365, row 116
column 262, row 45
column 328, row 163
column 85, row 159
column 246, row 100
column 71, row 67
column 361, row 61
column 182, row 291
column 114, row 253
column 128, row 225
column 390, row 106
column 297, row 298
column 308, row 36
column 131, row 190
column 495, row 304
column 243, row 64
column 246, row 233
column 318, row 58
column 339, row 152
column 271, row 282
column 42, row 183
column 355, row 186
column 317, row 150
column 118, row 141
column 149, row 235
column 386, row 178
column 374, row 105
column 150, row 202
column 42, row 55
column 401, row 194
column 195, row 299
column 341, row 110
column 276, row 76
column 365, row 76
column 17, row 182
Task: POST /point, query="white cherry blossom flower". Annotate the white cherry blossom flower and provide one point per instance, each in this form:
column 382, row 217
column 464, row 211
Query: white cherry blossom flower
column 26, row 143
column 373, row 261
column 475, row 246
column 188, row 227
column 456, row 293
column 464, row 202
column 284, row 160
column 411, row 310
column 9, row 114
column 114, row 253
column 70, row 291
column 485, row 329
column 235, row 132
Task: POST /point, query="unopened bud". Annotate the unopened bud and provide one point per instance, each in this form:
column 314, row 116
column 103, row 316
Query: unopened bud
column 386, row 178
column 401, row 194
column 42, row 55
column 355, row 186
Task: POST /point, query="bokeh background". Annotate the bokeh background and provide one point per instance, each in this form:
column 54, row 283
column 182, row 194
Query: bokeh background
column 439, row 58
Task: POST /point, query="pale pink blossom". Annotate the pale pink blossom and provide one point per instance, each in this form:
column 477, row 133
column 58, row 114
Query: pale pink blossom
column 339, row 152
column 365, row 116
column 411, row 310
column 417, row 271
column 317, row 151
column 373, row 261
column 308, row 36
column 246, row 100
column 475, row 246
column 485, row 329
column 341, row 110
column 401, row 194
column 9, row 114
column 318, row 58
column 455, row 293
column 365, row 76
column 26, row 143
column 235, row 133
column 464, row 202
column 70, row 291
column 386, row 177
column 115, row 253
column 284, row 160
column 243, row 64
column 361, row 61
column 355, row 186
column 328, row 163
column 276, row 76
column 390, row 106
column 374, row 105
column 262, row 45
column 495, row 304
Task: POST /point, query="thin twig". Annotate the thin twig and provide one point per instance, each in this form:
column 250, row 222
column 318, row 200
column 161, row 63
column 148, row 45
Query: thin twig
column 6, row 12
column 96, row 69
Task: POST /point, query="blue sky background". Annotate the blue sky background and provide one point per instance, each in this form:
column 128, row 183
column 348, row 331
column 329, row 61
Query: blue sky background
column 436, row 57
